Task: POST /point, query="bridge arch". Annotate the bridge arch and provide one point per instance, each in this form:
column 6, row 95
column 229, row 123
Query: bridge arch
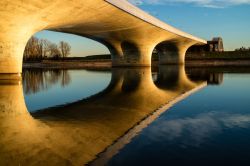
column 97, row 19
column 172, row 52
column 43, row 43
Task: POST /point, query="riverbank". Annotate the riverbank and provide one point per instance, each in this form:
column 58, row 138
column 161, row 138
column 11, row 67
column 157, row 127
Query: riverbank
column 217, row 62
column 67, row 64
column 229, row 58
column 226, row 58
column 107, row 64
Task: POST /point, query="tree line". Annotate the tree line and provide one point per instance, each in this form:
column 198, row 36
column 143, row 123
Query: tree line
column 243, row 49
column 38, row 49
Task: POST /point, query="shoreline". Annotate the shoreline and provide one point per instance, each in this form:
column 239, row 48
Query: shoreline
column 217, row 62
column 100, row 64
column 107, row 64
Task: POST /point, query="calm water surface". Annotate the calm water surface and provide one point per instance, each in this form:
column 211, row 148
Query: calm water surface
column 210, row 127
column 68, row 117
column 47, row 88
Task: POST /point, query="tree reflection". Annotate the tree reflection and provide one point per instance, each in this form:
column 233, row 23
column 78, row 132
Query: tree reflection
column 39, row 79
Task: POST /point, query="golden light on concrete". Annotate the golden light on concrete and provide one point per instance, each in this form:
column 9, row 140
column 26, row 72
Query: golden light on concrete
column 129, row 33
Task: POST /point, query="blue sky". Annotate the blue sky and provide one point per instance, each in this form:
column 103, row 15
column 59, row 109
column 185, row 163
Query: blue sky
column 80, row 46
column 229, row 19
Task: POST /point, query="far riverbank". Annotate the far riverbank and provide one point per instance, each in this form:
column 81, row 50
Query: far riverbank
column 107, row 64
column 219, row 59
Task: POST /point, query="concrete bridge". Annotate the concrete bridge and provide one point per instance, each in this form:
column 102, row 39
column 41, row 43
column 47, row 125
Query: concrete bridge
column 129, row 33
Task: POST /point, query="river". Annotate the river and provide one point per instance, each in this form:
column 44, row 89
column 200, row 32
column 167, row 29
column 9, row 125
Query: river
column 137, row 116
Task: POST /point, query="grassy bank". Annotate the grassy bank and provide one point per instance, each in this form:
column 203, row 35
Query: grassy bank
column 228, row 58
column 73, row 64
column 227, row 55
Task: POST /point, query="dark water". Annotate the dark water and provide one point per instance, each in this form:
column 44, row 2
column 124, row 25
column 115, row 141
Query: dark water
column 68, row 117
column 210, row 127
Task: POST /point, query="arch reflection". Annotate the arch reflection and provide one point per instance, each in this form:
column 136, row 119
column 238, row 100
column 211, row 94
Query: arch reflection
column 174, row 77
column 75, row 133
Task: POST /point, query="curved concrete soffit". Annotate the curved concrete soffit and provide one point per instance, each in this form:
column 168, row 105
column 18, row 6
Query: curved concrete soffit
column 135, row 11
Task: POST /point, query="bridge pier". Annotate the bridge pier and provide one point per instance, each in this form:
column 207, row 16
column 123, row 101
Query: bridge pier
column 11, row 57
column 12, row 45
column 170, row 53
column 131, row 54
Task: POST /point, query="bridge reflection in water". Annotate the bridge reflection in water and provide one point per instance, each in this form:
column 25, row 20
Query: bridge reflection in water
column 74, row 134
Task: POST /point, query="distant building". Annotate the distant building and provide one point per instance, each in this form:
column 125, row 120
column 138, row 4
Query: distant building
column 214, row 45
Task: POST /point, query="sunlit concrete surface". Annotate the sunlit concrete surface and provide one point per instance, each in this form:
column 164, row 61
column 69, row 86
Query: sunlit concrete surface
column 129, row 33
column 76, row 133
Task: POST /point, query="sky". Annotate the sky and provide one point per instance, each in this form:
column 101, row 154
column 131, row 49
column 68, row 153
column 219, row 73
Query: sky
column 229, row 19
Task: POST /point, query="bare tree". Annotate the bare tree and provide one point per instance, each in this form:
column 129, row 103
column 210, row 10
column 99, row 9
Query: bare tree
column 54, row 51
column 46, row 48
column 243, row 49
column 38, row 49
column 32, row 49
column 64, row 49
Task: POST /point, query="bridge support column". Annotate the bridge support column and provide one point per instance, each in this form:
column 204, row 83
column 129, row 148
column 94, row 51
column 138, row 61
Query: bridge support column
column 171, row 54
column 116, row 53
column 11, row 53
column 132, row 54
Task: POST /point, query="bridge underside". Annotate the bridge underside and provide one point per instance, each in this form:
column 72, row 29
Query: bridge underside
column 130, row 37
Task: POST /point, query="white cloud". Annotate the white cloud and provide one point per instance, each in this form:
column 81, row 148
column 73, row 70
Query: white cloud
column 201, row 3
column 198, row 128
